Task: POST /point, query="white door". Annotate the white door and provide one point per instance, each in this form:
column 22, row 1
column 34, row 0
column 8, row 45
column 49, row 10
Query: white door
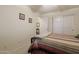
column 76, row 24
column 68, row 25
column 63, row 25
column 58, row 24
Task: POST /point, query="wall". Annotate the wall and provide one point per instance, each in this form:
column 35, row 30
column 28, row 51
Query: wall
column 50, row 24
column 44, row 31
column 15, row 34
column 45, row 25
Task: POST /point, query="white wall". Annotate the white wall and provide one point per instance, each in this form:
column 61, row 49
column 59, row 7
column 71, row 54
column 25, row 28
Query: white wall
column 44, row 31
column 15, row 34
column 50, row 26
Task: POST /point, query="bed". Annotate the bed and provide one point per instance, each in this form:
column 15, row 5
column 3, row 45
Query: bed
column 55, row 44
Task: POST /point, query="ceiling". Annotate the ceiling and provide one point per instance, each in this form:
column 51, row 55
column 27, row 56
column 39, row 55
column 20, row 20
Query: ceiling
column 51, row 8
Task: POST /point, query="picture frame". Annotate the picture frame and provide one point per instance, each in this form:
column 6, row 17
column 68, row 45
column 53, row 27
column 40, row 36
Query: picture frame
column 21, row 16
column 30, row 20
column 38, row 24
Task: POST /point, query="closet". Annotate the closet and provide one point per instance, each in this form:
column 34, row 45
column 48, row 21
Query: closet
column 66, row 24
column 57, row 24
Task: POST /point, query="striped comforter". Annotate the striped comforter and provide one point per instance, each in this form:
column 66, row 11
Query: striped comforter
column 64, row 43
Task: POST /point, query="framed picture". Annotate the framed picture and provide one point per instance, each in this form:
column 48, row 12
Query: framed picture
column 30, row 20
column 37, row 31
column 21, row 16
column 37, row 24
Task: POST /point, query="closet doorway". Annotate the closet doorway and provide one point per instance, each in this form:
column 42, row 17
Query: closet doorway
column 63, row 24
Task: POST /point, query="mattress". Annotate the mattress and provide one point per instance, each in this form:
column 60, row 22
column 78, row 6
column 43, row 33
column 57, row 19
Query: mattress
column 63, row 37
column 40, row 47
column 65, row 43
